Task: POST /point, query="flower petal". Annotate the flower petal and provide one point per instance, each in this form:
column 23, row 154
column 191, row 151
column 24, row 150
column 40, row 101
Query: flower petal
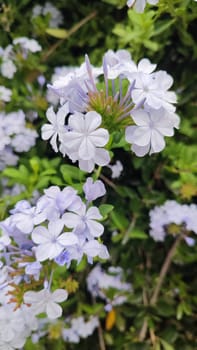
column 99, row 137
column 138, row 135
column 53, row 310
column 51, row 116
column 95, row 228
column 55, row 227
column 40, row 235
column 140, row 151
column 140, row 117
column 47, row 131
column 86, row 149
column 92, row 121
column 102, row 157
column 59, row 295
column 157, row 142
column 67, row 239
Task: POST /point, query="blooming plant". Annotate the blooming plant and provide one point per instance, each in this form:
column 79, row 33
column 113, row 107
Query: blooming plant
column 147, row 104
column 98, row 175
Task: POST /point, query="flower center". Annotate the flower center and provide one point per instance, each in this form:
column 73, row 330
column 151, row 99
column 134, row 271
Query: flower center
column 111, row 108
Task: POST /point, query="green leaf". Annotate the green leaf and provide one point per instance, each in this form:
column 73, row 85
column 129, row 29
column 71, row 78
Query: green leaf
column 166, row 345
column 20, row 175
column 82, row 265
column 57, row 33
column 165, row 309
column 119, row 220
column 105, row 209
column 48, row 172
column 34, row 164
column 70, row 173
column 137, row 234
column 163, row 27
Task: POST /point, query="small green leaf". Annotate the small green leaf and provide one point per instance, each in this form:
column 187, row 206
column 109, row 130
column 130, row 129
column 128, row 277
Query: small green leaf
column 119, row 220
column 57, row 33
column 70, row 173
column 48, row 172
column 166, row 345
column 105, row 209
column 137, row 234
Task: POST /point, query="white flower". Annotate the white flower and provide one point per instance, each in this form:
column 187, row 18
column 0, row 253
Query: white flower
column 5, row 140
column 50, row 242
column 172, row 212
column 98, row 281
column 54, row 202
column 116, row 169
column 25, row 140
column 139, row 5
column 28, row 44
column 93, row 248
column 57, row 126
column 5, row 94
column 85, row 140
column 26, row 217
column 84, row 223
column 79, row 328
column 45, row 301
column 56, row 17
column 118, row 63
column 48, row 9
column 148, row 135
column 12, row 326
column 152, row 89
column 8, row 69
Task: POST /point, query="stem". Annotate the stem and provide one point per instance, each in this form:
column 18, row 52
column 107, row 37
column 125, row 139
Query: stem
column 128, row 231
column 164, row 270
column 74, row 29
column 50, row 279
column 109, row 182
column 162, row 275
column 143, row 331
column 97, row 172
column 101, row 338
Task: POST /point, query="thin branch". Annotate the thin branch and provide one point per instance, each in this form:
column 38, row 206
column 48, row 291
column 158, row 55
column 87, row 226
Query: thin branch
column 109, row 182
column 101, row 338
column 143, row 331
column 128, row 231
column 164, row 270
column 74, row 29
column 162, row 275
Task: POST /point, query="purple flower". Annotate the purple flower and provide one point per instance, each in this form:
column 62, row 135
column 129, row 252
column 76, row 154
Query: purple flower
column 93, row 190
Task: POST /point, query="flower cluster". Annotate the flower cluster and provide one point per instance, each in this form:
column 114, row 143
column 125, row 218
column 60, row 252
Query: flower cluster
column 15, row 326
column 71, row 329
column 79, row 328
column 100, row 282
column 5, row 94
column 15, row 137
column 50, row 10
column 171, row 212
column 59, row 72
column 120, row 96
column 9, row 56
column 59, row 228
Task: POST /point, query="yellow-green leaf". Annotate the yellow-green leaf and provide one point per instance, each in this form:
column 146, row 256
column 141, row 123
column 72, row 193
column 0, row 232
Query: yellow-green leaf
column 57, row 33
